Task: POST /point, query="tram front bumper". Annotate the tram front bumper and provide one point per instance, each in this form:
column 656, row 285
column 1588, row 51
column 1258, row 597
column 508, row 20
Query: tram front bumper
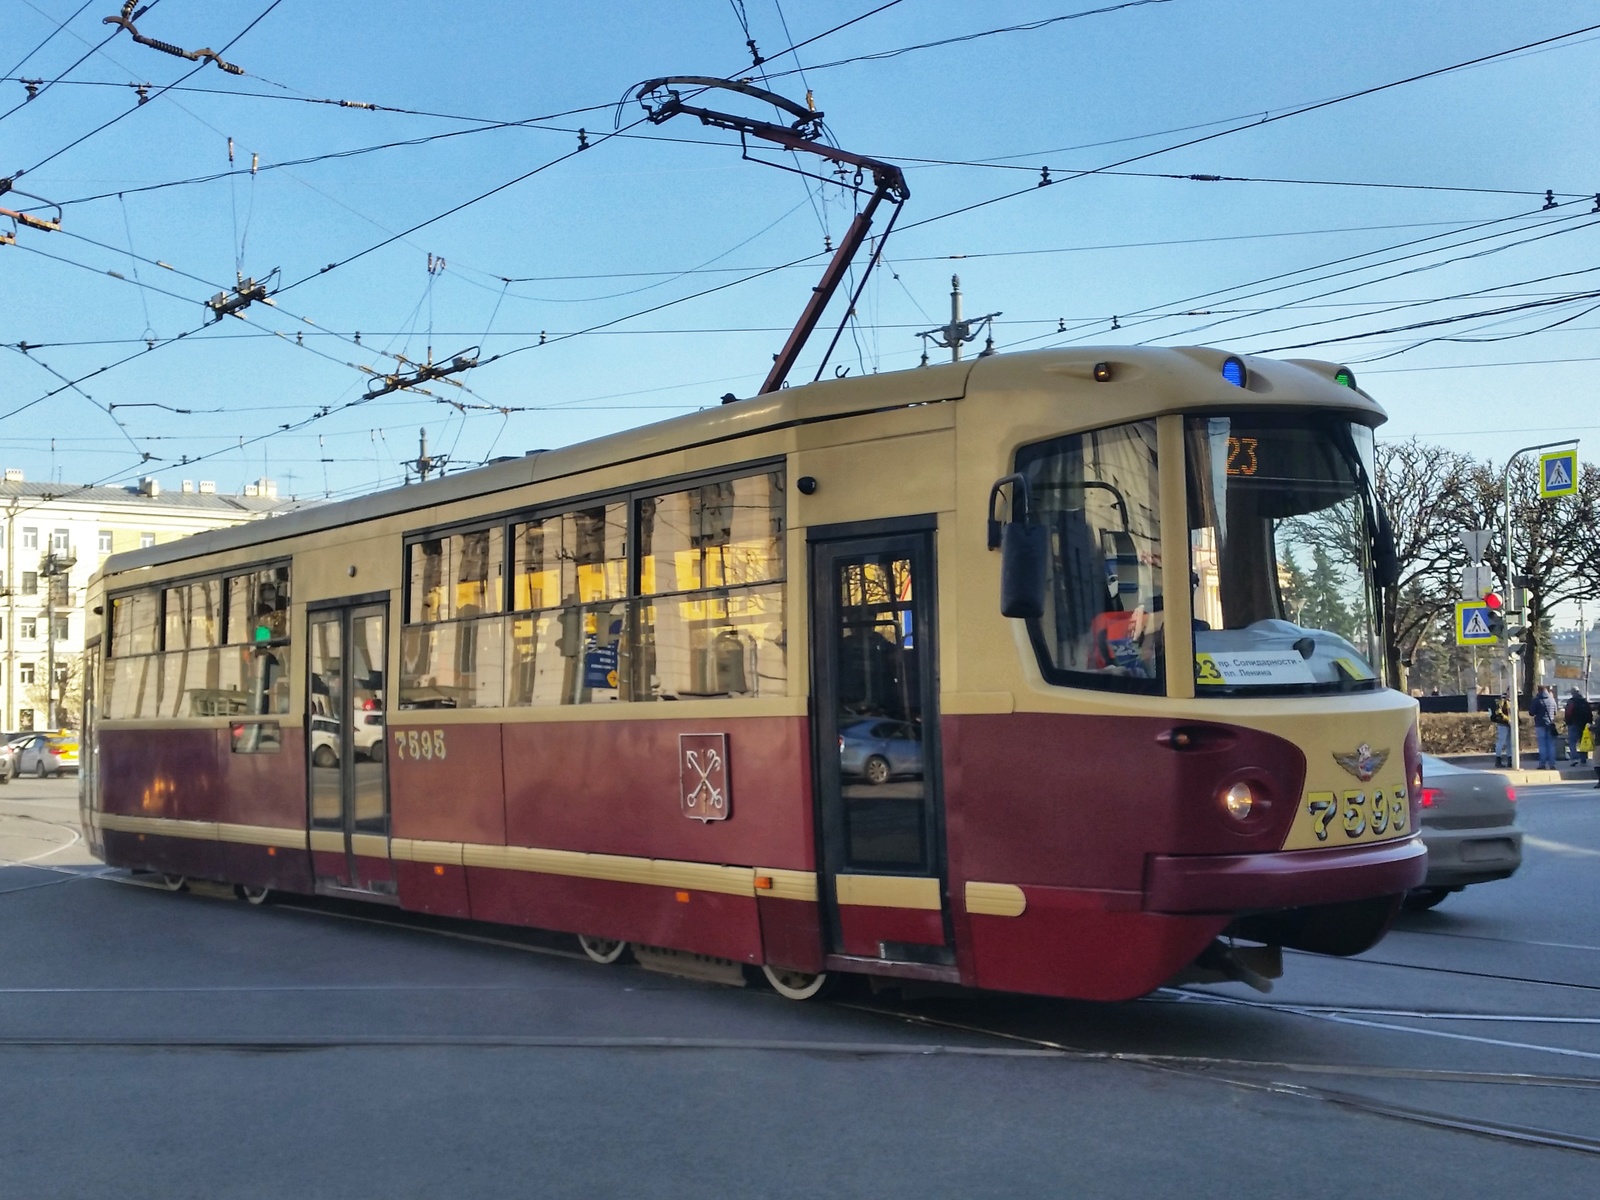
column 1234, row 883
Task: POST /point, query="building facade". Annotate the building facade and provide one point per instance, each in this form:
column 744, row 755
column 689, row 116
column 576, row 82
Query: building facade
column 53, row 536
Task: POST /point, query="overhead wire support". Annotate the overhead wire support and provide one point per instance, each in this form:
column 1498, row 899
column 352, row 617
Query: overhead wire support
column 243, row 295
column 125, row 20
column 662, row 100
column 422, row 373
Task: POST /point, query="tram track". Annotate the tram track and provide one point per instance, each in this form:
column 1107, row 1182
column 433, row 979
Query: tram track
column 1225, row 1071
column 1461, row 971
column 1259, row 1076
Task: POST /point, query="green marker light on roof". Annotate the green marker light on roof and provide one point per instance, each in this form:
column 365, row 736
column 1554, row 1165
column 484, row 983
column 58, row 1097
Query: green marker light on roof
column 1345, row 377
column 263, row 633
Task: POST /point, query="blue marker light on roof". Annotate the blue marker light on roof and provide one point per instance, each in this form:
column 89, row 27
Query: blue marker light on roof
column 1233, row 371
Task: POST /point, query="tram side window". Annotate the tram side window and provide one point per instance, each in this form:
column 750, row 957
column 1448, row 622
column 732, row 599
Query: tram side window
column 133, row 669
column 1097, row 495
column 709, row 620
column 452, row 648
column 198, row 677
column 566, row 642
column 258, row 621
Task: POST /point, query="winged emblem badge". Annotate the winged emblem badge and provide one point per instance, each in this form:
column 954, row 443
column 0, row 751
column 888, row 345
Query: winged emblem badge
column 1364, row 762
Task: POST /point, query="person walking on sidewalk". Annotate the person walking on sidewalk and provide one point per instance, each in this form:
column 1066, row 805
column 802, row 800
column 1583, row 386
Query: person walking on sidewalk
column 1500, row 716
column 1543, row 711
column 1579, row 716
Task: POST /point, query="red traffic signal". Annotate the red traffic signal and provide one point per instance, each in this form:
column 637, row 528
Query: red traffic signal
column 1492, row 601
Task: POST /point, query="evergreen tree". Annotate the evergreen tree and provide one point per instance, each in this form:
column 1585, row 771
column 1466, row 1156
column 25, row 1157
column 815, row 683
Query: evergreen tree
column 1325, row 607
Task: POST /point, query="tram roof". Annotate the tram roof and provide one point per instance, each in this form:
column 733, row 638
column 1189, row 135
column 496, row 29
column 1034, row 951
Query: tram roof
column 1185, row 371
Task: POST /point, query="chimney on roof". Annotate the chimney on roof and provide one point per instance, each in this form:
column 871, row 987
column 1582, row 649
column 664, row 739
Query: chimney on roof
column 13, row 475
column 150, row 486
column 208, row 487
column 252, row 489
column 188, row 485
column 267, row 487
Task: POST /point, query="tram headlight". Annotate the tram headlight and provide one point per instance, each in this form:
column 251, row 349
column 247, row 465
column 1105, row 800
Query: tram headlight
column 1238, row 801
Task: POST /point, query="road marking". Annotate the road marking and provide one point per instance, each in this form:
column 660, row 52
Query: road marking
column 1539, row 843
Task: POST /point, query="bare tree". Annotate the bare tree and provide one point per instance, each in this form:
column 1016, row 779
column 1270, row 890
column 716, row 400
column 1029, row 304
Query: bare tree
column 1426, row 491
column 1556, row 542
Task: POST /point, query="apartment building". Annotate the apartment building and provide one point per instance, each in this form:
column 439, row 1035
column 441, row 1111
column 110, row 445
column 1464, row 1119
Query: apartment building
column 53, row 536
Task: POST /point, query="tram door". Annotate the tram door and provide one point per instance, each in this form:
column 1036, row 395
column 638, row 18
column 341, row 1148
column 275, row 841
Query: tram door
column 879, row 805
column 346, row 710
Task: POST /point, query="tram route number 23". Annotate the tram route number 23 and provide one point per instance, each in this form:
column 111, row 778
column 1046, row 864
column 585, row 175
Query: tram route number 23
column 419, row 743
column 1382, row 813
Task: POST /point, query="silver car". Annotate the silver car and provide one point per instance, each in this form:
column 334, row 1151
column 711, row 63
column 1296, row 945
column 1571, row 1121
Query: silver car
column 1469, row 824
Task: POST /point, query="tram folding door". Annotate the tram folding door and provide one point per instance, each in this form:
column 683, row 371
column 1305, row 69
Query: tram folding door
column 880, row 814
column 346, row 714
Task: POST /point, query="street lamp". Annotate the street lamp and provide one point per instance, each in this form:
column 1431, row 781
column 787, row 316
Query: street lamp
column 1511, row 648
column 52, row 567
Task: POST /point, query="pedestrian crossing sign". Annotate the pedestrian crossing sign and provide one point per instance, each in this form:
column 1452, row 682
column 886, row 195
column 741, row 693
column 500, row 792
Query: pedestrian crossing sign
column 1558, row 474
column 1473, row 627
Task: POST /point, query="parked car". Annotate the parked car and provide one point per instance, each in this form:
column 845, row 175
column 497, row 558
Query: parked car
column 1469, row 824
column 8, row 761
column 46, row 754
column 877, row 750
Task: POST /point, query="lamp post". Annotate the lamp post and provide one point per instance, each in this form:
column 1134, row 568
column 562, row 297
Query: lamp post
column 1511, row 646
column 54, row 566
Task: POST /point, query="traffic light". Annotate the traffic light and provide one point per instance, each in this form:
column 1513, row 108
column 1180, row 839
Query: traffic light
column 1497, row 616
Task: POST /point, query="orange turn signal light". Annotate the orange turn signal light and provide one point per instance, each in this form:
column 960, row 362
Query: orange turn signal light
column 438, row 870
column 764, row 882
column 272, row 852
column 682, row 897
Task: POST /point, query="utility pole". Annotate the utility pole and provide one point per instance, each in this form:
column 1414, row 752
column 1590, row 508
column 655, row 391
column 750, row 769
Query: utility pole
column 53, row 567
column 959, row 332
column 1512, row 648
column 424, row 463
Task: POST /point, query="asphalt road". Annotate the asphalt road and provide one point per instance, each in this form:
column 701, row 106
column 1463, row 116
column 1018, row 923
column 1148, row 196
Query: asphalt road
column 191, row 1045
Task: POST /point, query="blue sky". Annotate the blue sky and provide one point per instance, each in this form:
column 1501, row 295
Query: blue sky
column 663, row 213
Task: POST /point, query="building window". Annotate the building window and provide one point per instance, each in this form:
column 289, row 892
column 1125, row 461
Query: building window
column 25, row 673
column 25, row 720
column 60, row 541
column 105, row 541
column 63, row 630
column 28, row 627
column 30, row 583
column 146, row 540
column 30, row 538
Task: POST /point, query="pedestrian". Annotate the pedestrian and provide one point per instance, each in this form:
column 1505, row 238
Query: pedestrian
column 1544, row 726
column 1579, row 716
column 1500, row 716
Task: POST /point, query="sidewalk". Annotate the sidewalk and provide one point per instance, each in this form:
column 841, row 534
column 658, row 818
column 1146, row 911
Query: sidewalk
column 1565, row 772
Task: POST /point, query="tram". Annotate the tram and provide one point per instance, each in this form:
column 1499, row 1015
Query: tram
column 1053, row 672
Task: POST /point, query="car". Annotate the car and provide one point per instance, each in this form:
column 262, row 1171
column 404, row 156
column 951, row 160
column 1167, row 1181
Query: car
column 8, row 762
column 1469, row 825
column 878, row 749
column 45, row 754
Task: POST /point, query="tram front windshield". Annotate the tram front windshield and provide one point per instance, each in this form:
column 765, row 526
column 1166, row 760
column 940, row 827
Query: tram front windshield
column 1281, row 531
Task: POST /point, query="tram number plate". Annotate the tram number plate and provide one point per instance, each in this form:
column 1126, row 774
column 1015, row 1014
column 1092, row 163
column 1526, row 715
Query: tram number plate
column 1358, row 815
column 417, row 744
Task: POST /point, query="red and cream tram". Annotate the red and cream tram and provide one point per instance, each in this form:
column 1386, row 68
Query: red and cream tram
column 740, row 685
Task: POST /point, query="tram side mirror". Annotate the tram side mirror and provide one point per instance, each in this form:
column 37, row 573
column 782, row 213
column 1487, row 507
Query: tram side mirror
column 1024, row 552
column 1385, row 558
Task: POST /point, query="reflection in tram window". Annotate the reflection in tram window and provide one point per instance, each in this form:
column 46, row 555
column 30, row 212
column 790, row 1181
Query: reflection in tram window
column 879, row 715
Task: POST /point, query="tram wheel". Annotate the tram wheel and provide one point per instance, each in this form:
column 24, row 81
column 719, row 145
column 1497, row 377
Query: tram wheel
column 252, row 895
column 877, row 770
column 798, row 985
column 602, row 950
column 174, row 883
